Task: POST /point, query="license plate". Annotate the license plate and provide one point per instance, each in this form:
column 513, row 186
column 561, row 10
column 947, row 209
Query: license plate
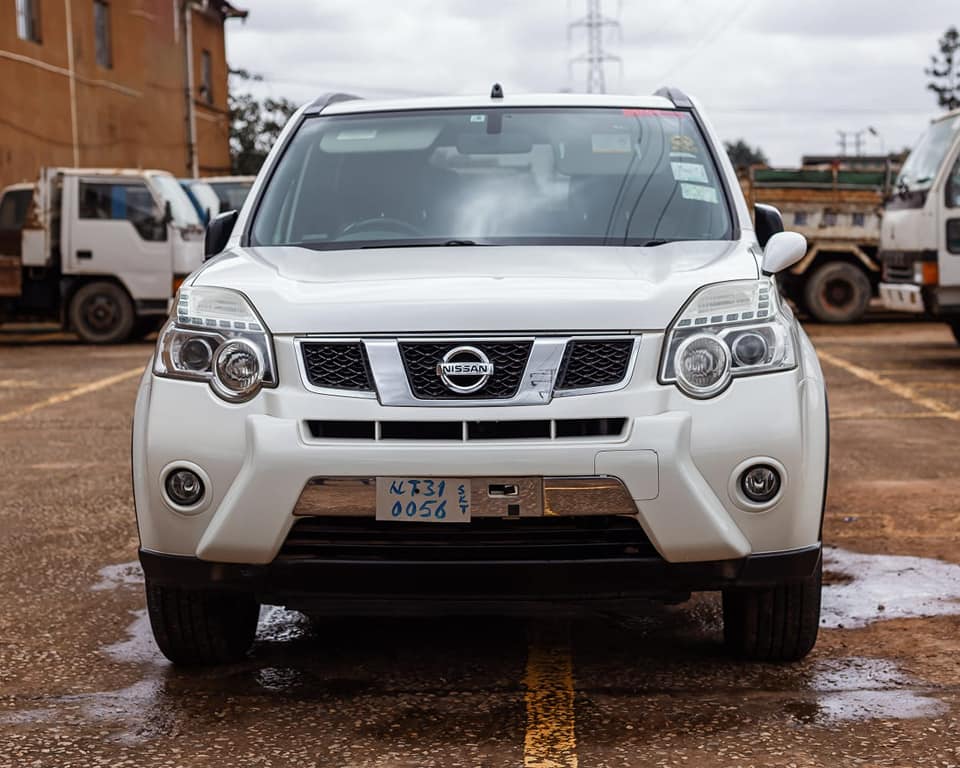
column 423, row 499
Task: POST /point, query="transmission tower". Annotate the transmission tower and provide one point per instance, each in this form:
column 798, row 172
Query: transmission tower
column 594, row 25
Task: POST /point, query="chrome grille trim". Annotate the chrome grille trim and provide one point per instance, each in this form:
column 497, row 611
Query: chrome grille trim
column 538, row 385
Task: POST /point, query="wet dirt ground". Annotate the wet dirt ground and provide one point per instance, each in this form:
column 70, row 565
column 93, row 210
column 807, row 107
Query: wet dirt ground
column 81, row 683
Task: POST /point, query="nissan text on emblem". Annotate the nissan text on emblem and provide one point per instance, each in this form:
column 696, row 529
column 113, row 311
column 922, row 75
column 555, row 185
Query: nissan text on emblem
column 465, row 370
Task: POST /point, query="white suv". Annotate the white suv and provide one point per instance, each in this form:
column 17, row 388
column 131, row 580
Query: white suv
column 481, row 353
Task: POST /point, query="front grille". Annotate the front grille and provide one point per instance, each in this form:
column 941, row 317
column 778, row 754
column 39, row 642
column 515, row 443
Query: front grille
column 420, row 360
column 458, row 431
column 337, row 365
column 531, row 538
column 594, row 363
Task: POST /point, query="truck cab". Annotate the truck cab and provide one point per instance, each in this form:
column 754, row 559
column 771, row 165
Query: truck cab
column 920, row 234
column 99, row 251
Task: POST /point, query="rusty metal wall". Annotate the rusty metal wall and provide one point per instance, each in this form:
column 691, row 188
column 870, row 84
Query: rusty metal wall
column 130, row 115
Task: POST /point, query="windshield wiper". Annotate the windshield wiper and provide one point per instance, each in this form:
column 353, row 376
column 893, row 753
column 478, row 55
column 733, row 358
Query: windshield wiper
column 419, row 244
column 653, row 243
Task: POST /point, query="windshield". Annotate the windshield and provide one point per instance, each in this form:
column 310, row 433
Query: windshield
column 922, row 164
column 231, row 194
column 494, row 176
column 206, row 197
column 169, row 189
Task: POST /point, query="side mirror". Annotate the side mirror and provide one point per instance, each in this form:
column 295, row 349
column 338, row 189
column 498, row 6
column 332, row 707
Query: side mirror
column 784, row 249
column 218, row 233
column 768, row 222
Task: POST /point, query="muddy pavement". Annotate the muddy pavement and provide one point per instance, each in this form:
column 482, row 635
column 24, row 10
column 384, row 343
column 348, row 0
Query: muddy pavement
column 81, row 683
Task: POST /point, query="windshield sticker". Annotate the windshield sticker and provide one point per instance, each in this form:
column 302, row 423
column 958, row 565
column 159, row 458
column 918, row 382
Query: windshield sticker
column 684, row 144
column 655, row 113
column 689, row 172
column 698, row 192
column 478, row 118
column 611, row 143
column 357, row 134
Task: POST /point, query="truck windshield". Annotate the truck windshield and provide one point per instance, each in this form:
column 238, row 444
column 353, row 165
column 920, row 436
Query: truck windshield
column 924, row 161
column 494, row 176
column 170, row 191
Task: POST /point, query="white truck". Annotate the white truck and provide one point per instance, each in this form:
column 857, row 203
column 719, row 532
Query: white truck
column 920, row 235
column 99, row 251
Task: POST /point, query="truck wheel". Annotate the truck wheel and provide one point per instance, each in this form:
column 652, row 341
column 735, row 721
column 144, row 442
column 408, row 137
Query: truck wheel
column 202, row 627
column 955, row 327
column 837, row 292
column 102, row 313
column 773, row 623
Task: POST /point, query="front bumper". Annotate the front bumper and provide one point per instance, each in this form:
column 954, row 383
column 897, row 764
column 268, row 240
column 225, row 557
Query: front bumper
column 902, row 297
column 345, row 586
column 677, row 457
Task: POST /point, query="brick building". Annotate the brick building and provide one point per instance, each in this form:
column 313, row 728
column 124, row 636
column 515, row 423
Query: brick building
column 113, row 83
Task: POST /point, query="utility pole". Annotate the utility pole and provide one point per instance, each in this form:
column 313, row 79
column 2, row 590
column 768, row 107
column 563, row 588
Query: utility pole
column 594, row 23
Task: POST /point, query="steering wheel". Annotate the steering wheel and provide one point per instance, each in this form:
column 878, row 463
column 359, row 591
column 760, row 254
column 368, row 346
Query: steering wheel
column 378, row 222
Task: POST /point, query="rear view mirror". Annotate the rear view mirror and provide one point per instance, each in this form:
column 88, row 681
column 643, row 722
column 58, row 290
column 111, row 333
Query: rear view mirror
column 218, row 233
column 768, row 222
column 783, row 249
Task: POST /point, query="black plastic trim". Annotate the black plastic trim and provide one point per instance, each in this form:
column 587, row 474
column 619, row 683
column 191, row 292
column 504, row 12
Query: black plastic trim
column 345, row 583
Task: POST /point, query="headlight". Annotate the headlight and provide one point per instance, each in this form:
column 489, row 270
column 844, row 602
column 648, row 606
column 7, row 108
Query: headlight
column 216, row 336
column 728, row 330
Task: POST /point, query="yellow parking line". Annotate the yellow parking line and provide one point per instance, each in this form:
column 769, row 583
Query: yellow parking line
column 941, row 409
column 63, row 397
column 873, row 415
column 550, row 740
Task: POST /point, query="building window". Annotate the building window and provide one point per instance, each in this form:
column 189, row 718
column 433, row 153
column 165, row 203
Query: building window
column 123, row 201
column 101, row 30
column 859, row 219
column 829, row 219
column 800, row 218
column 28, row 20
column 206, row 78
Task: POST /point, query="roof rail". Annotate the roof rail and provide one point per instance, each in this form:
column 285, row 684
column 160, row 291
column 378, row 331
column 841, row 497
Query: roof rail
column 325, row 100
column 678, row 97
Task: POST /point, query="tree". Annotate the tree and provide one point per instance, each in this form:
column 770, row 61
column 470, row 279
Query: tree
column 945, row 70
column 742, row 155
column 254, row 125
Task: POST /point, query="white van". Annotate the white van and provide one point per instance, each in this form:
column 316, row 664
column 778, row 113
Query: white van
column 920, row 235
column 99, row 251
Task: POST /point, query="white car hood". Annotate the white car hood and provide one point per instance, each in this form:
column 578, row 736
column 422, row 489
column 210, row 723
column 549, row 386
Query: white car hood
column 476, row 288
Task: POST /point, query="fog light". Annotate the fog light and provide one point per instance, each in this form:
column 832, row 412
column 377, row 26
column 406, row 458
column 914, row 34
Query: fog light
column 184, row 487
column 760, row 483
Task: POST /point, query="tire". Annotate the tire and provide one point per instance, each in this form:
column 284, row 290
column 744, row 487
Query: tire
column 774, row 623
column 102, row 313
column 837, row 292
column 955, row 327
column 202, row 627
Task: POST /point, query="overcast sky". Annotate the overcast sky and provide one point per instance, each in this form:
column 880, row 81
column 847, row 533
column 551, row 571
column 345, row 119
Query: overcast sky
column 784, row 74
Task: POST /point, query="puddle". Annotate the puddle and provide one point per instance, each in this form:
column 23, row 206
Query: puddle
column 119, row 575
column 878, row 587
column 867, row 689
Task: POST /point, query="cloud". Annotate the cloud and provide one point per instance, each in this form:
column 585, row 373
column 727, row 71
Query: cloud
column 784, row 75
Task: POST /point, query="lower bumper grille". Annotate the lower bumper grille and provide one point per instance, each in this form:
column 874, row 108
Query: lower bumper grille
column 535, row 429
column 546, row 538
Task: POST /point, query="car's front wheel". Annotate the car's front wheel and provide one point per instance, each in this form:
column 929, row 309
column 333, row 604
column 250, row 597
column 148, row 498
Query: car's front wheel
column 773, row 623
column 196, row 627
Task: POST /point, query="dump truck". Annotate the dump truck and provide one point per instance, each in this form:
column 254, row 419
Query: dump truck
column 99, row 251
column 836, row 203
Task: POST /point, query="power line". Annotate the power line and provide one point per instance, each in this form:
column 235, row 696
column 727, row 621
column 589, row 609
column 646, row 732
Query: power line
column 594, row 24
column 706, row 40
